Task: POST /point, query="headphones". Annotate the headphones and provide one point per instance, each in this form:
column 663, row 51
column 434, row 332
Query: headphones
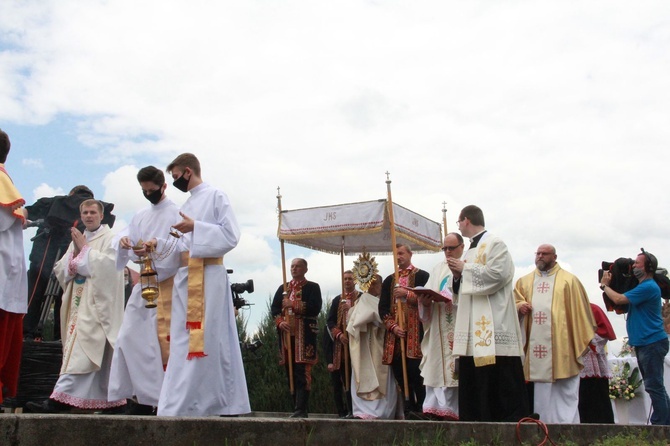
column 650, row 262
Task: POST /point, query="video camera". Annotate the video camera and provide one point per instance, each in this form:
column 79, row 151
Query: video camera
column 238, row 288
column 624, row 280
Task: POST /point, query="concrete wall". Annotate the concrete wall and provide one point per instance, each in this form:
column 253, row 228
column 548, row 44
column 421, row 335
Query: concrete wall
column 97, row 430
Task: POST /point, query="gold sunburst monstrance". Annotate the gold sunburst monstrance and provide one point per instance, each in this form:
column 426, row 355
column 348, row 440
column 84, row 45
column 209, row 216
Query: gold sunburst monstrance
column 364, row 270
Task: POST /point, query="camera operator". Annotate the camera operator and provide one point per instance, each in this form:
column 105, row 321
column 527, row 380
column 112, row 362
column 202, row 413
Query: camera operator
column 645, row 331
column 53, row 216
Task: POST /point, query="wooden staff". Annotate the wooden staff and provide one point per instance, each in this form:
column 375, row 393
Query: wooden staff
column 444, row 218
column 400, row 316
column 344, row 325
column 285, row 311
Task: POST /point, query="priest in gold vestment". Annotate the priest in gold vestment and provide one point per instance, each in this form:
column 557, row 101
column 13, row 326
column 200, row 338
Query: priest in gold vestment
column 558, row 325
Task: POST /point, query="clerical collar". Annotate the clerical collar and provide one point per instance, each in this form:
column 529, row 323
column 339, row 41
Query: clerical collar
column 475, row 240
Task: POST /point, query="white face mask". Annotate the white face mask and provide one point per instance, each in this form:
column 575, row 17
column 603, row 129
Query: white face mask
column 638, row 273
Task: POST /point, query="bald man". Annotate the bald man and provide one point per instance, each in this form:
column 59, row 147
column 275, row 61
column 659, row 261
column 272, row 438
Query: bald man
column 558, row 325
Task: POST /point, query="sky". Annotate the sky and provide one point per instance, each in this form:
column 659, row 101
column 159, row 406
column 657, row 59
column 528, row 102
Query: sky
column 551, row 116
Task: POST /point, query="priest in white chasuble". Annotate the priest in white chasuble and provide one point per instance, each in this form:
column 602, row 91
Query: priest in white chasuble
column 558, row 325
column 487, row 336
column 373, row 388
column 91, row 316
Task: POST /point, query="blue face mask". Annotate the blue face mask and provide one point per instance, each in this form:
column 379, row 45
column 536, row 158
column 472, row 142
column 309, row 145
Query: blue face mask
column 181, row 183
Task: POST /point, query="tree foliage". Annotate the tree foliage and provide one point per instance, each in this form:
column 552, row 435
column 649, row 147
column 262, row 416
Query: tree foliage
column 267, row 381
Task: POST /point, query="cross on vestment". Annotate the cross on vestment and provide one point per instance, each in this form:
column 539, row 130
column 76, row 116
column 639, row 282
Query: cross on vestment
column 483, row 323
column 540, row 351
column 543, row 287
column 540, row 317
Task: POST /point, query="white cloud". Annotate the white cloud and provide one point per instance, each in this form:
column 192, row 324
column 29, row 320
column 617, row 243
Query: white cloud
column 551, row 116
column 44, row 190
column 32, row 163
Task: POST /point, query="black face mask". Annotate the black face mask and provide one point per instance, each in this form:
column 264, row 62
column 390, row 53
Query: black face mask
column 155, row 196
column 181, row 183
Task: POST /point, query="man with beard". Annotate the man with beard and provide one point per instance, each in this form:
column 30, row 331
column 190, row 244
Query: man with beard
column 558, row 326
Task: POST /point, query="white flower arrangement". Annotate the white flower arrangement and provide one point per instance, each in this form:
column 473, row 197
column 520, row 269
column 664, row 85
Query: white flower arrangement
column 624, row 382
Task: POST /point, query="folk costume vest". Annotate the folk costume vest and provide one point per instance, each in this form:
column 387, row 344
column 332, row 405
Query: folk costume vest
column 407, row 278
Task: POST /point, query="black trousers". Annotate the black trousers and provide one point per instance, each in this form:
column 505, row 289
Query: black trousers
column 342, row 396
column 417, row 391
column 595, row 405
column 494, row 392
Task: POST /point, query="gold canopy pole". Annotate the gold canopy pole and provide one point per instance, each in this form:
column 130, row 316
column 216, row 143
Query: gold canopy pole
column 400, row 317
column 287, row 316
column 344, row 324
column 444, row 218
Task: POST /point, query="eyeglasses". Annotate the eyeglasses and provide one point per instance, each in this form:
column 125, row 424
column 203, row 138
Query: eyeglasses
column 450, row 248
column 460, row 220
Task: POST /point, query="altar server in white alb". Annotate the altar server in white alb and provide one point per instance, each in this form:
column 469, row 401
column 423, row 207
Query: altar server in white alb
column 205, row 374
column 487, row 336
column 143, row 346
column 13, row 277
column 438, row 315
column 91, row 316
column 373, row 388
column 558, row 325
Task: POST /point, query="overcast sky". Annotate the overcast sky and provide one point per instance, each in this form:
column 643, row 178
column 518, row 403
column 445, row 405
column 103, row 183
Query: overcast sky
column 551, row 116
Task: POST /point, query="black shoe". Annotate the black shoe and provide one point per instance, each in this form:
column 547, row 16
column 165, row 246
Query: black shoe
column 46, row 406
column 299, row 414
column 412, row 415
column 118, row 410
column 133, row 408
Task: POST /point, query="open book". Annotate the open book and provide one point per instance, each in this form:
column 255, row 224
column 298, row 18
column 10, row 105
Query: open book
column 434, row 295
